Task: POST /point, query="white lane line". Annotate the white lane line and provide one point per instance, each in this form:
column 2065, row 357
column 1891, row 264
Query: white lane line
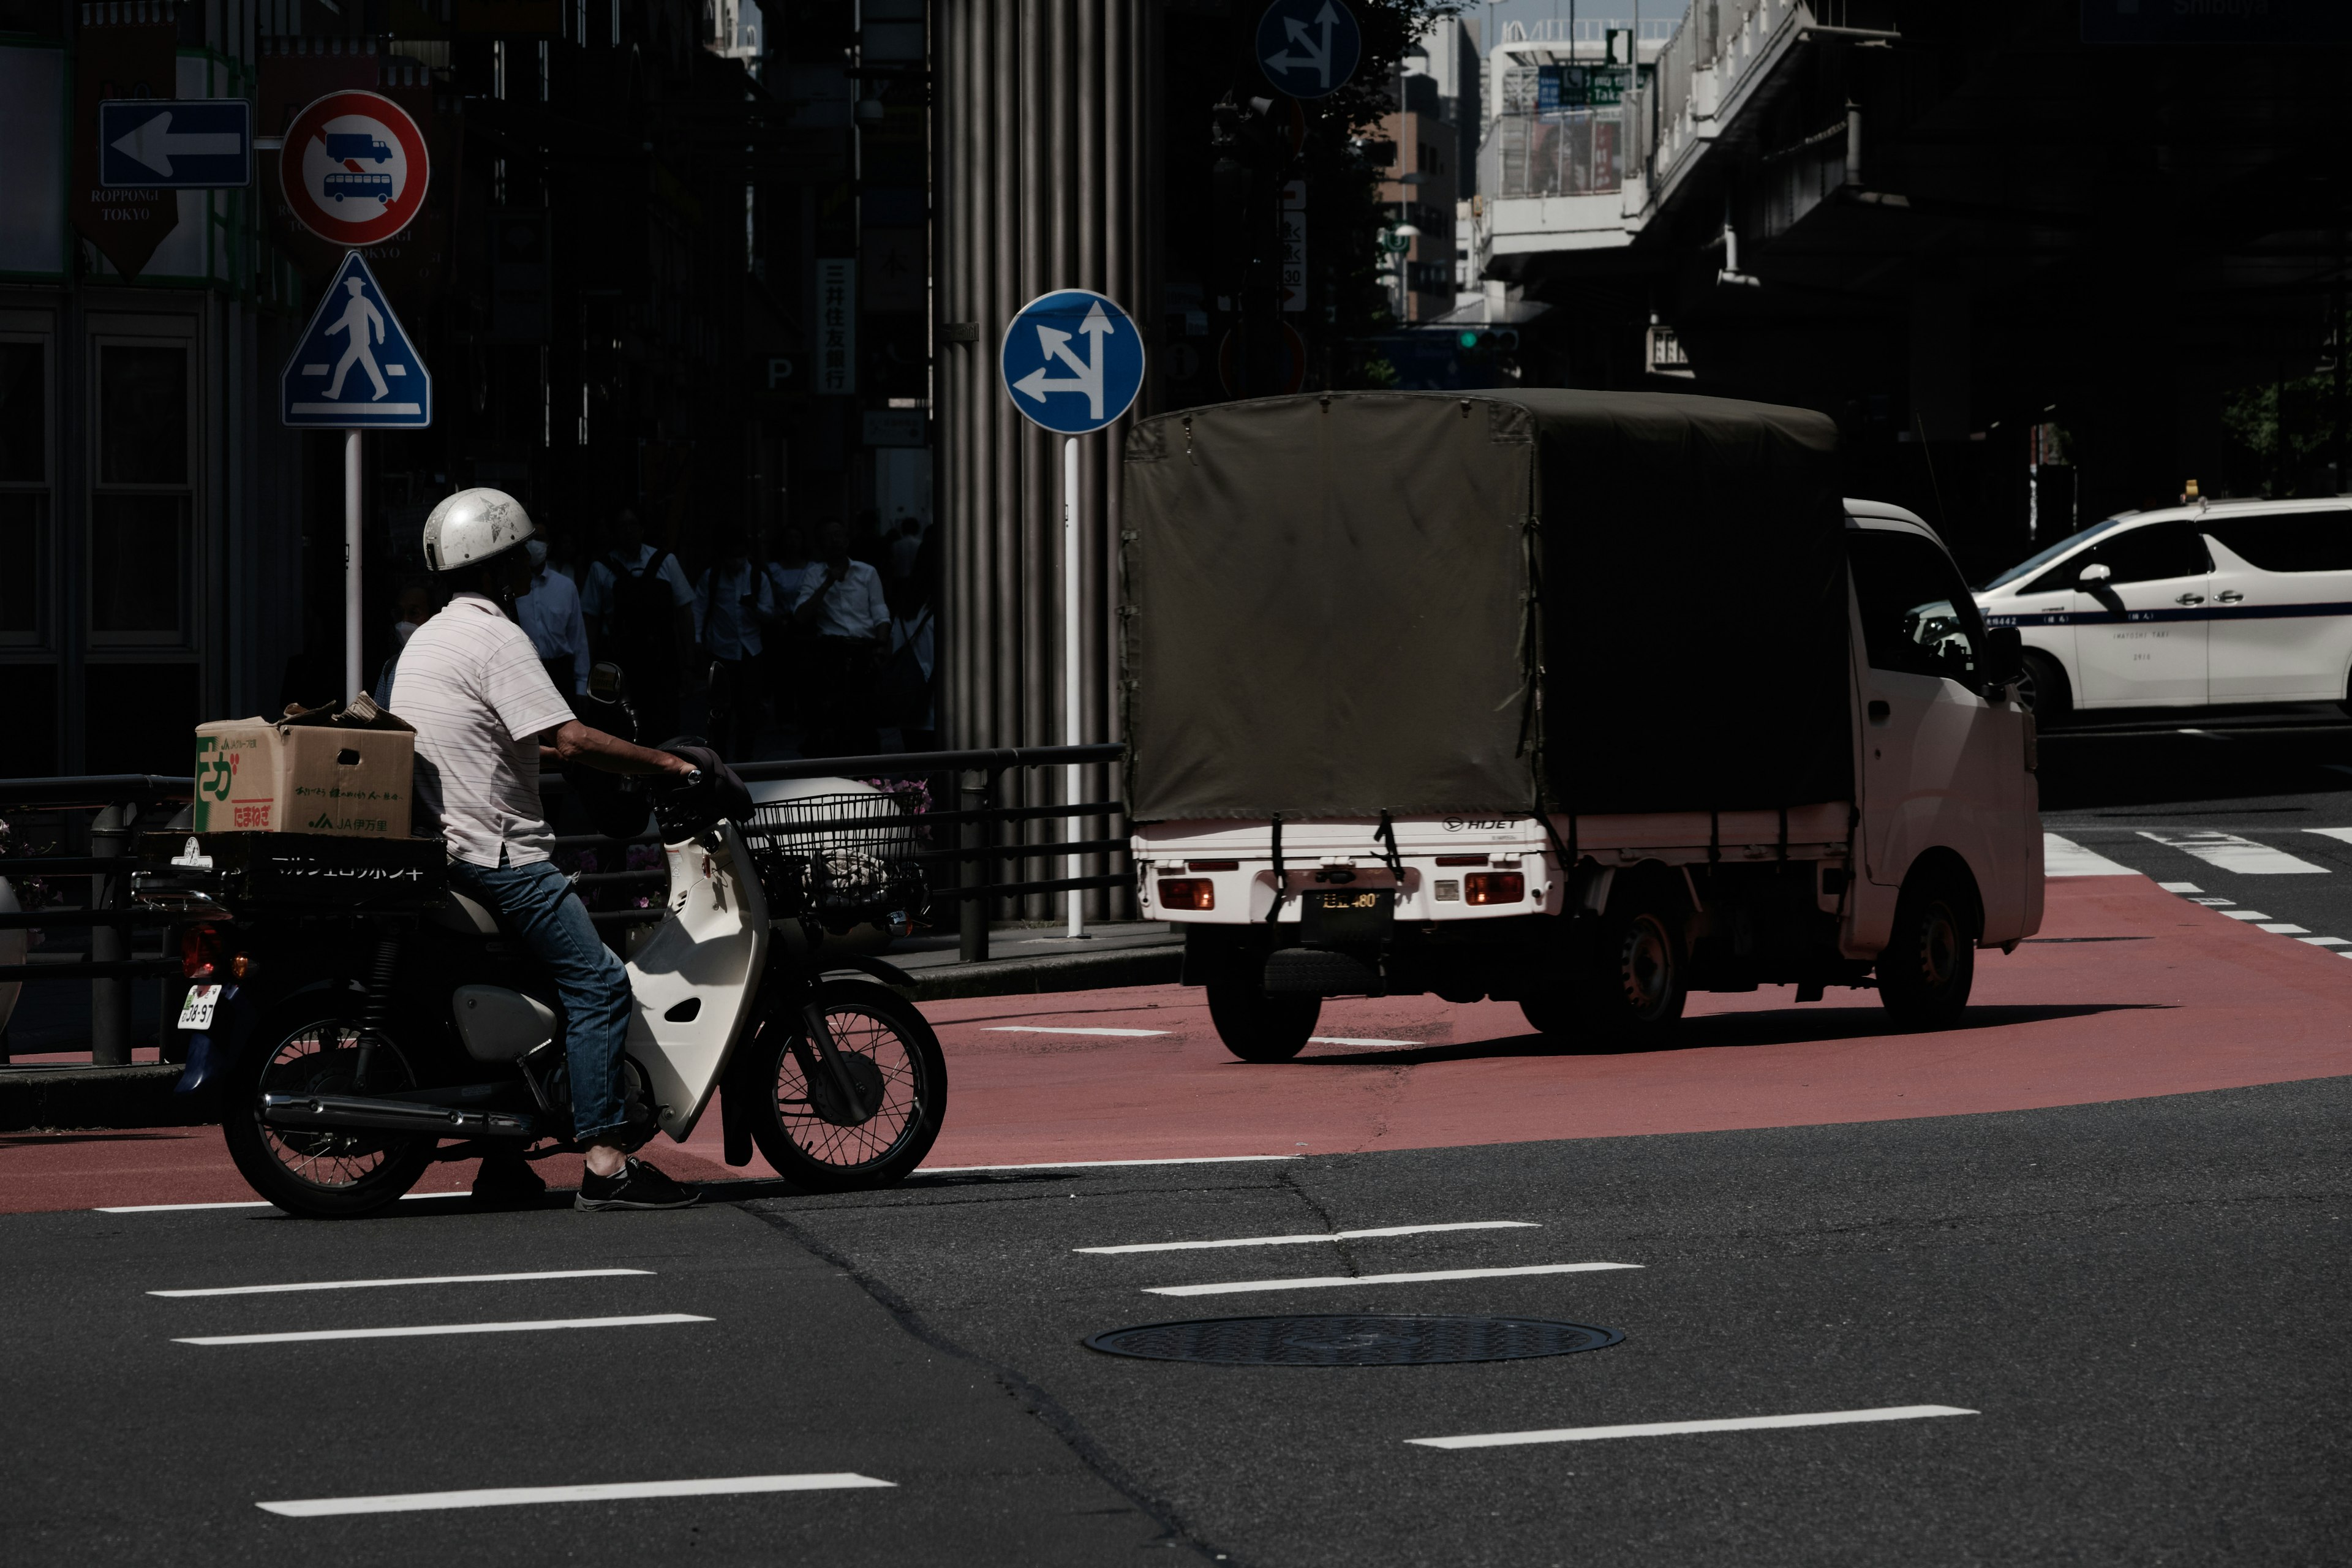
column 417, row 1280
column 1236, row 1287
column 247, row 1204
column 426, row 1328
column 1344, row 1040
column 1104, row 1034
column 2232, row 853
column 2343, row 833
column 2065, row 858
column 2242, row 914
column 2214, row 903
column 2206, row 734
column 605, row 1491
column 2281, row 928
column 2181, row 887
column 1102, row 1165
column 2324, row 941
column 1297, row 1241
column 1672, row 1428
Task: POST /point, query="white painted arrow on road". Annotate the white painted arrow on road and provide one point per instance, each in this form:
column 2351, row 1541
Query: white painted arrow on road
column 153, row 144
column 1317, row 59
column 1056, row 345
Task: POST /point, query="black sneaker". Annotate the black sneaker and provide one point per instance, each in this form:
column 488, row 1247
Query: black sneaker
column 637, row 1186
column 506, row 1181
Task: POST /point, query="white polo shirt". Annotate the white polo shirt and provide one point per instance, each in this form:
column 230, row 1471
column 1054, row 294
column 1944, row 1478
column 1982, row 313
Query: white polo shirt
column 471, row 682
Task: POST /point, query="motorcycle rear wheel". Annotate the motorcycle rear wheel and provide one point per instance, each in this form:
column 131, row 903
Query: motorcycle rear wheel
column 317, row 1175
column 814, row 1139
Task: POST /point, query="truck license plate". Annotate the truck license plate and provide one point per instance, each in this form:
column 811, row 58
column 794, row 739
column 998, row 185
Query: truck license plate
column 197, row 1012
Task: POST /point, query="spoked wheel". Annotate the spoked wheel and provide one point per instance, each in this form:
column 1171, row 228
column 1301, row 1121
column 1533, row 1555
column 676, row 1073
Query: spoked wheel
column 1638, row 981
column 318, row 1175
column 824, row 1134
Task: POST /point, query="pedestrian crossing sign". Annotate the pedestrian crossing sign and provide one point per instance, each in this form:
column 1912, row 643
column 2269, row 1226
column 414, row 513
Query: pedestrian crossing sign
column 355, row 368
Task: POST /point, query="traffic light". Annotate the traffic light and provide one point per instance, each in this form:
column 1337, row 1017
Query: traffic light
column 1485, row 341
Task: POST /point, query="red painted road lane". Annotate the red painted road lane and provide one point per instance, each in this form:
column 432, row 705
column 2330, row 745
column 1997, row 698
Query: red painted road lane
column 2179, row 1000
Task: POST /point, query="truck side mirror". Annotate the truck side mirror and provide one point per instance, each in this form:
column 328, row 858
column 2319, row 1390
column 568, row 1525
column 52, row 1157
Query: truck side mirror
column 2095, row 576
column 2004, row 656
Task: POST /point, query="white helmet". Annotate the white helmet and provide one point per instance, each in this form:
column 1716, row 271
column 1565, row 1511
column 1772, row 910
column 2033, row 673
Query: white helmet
column 471, row 526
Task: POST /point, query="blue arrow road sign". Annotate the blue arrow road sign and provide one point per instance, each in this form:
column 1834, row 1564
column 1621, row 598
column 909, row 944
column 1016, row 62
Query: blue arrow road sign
column 175, row 144
column 1308, row 47
column 1072, row 361
column 354, row 368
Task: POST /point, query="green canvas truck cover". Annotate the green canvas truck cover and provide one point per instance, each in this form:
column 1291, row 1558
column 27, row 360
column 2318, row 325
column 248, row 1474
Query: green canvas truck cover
column 1483, row 604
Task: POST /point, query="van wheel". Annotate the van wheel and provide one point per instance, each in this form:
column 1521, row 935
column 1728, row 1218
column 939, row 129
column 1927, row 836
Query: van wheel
column 1258, row 1028
column 2042, row 690
column 1930, row 959
column 1641, row 976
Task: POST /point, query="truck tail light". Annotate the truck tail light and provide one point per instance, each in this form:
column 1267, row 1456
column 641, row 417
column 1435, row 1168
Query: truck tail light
column 1188, row 893
column 1493, row 888
column 200, row 951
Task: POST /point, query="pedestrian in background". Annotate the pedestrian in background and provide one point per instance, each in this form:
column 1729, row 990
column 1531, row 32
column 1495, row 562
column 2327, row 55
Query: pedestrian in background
column 730, row 604
column 642, row 608
column 551, row 616
column 416, row 605
column 843, row 603
column 786, row 569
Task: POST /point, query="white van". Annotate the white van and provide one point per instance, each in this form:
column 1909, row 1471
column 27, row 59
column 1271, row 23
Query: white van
column 1582, row 700
column 2210, row 605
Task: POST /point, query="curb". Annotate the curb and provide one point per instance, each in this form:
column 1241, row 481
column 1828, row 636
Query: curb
column 1062, row 972
column 142, row 1095
column 100, row 1097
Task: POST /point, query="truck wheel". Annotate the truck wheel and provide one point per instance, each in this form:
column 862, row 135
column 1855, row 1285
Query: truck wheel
column 1258, row 1028
column 2042, row 690
column 1642, row 975
column 1930, row 959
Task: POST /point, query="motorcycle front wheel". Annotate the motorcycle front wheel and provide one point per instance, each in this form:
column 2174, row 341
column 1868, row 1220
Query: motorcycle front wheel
column 317, row 1175
column 822, row 1140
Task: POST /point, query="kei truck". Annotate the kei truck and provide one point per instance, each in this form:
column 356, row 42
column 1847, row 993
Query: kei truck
column 1578, row 700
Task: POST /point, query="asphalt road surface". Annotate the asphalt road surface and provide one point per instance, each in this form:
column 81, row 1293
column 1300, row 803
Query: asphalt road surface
column 2101, row 1332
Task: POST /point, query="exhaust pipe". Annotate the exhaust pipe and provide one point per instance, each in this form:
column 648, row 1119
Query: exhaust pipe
column 354, row 1113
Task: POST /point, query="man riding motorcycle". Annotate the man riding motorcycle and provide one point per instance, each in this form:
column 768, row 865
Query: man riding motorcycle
column 485, row 712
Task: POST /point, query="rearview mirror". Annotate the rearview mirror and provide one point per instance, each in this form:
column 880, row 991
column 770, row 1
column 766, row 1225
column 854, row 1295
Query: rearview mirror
column 2095, row 574
column 2004, row 656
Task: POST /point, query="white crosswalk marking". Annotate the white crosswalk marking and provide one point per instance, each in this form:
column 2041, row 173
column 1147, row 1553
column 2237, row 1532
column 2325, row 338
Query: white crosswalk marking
column 2181, row 887
column 2231, row 853
column 2343, row 833
column 2065, row 858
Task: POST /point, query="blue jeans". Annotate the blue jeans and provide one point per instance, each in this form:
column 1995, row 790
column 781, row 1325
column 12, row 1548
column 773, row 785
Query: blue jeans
column 537, row 904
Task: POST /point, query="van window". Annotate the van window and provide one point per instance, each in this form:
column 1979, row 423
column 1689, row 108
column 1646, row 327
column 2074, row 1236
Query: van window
column 2291, row 541
column 2147, row 555
column 1917, row 614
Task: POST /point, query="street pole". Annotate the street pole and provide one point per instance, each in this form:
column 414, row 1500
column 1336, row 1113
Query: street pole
column 352, row 686
column 1070, row 700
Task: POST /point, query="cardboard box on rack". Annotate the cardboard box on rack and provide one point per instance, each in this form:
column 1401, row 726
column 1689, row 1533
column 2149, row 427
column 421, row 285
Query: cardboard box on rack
column 347, row 773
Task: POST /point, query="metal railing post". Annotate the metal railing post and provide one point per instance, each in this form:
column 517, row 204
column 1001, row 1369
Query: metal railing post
column 109, row 999
column 971, row 928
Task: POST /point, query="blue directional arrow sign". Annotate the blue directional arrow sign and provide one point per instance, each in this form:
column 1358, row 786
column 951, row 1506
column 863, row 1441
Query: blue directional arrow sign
column 354, row 368
column 1309, row 48
column 1073, row 360
column 175, row 144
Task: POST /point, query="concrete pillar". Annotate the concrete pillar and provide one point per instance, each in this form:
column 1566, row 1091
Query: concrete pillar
column 1046, row 179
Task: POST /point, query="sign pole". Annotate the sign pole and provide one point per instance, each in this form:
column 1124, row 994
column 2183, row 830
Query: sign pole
column 1072, row 732
column 352, row 685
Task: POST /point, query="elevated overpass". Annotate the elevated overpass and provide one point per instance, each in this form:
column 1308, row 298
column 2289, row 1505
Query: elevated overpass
column 1983, row 236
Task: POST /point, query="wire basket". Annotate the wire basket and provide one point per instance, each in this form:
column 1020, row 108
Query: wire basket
column 847, row 859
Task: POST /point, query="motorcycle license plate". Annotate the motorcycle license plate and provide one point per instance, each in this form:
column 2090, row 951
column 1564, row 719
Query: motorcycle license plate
column 197, row 1012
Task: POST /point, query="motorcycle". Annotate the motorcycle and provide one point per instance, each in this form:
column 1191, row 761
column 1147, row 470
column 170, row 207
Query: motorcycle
column 362, row 1018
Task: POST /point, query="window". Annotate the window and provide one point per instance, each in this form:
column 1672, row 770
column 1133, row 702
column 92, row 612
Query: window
column 24, row 492
column 1917, row 614
column 2149, row 554
column 2289, row 541
column 142, row 507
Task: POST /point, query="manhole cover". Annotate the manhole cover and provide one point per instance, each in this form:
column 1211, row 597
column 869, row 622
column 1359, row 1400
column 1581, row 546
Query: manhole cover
column 1353, row 1340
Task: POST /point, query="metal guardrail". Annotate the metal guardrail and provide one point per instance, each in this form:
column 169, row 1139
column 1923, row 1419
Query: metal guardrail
column 120, row 802
column 964, row 850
